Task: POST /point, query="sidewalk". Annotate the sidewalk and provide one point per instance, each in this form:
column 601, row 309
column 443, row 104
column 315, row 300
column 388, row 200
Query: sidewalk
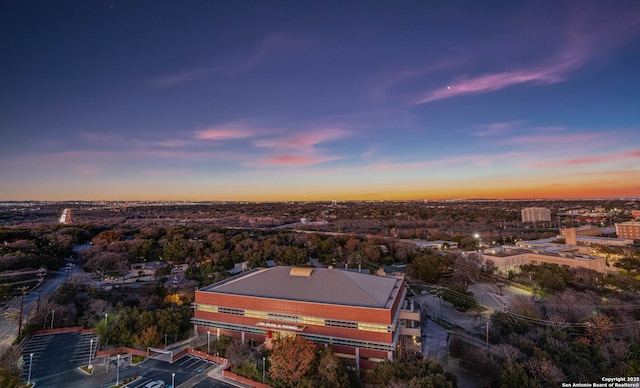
column 217, row 374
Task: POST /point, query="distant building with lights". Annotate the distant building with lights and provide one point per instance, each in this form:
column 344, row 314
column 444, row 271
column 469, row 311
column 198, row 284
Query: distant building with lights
column 507, row 259
column 359, row 316
column 535, row 214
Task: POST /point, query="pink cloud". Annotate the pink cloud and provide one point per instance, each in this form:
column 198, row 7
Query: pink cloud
column 304, row 140
column 590, row 34
column 381, row 88
column 549, row 139
column 595, row 159
column 223, row 132
column 293, row 160
column 464, row 160
column 491, row 82
column 499, row 128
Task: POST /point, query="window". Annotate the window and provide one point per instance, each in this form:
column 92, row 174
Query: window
column 345, row 324
column 230, row 310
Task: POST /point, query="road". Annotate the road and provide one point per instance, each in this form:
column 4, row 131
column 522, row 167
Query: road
column 11, row 312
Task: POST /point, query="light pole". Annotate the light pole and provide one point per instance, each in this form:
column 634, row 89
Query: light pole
column 263, row 367
column 118, row 372
column 487, row 337
column 173, row 380
column 30, row 363
column 165, row 340
column 90, row 352
column 53, row 314
column 105, row 321
column 208, row 341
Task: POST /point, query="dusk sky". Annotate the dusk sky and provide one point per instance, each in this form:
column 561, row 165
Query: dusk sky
column 318, row 100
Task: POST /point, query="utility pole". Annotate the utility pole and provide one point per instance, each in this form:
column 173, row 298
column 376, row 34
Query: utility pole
column 24, row 291
column 41, row 273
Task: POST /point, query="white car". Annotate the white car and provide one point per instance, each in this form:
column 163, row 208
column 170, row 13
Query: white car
column 155, row 384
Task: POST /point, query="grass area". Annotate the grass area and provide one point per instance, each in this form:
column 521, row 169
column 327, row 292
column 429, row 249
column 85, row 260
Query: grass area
column 137, row 359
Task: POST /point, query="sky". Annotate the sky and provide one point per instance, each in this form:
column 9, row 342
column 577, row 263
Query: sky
column 319, row 100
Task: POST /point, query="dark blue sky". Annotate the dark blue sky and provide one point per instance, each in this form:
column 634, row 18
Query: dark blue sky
column 232, row 100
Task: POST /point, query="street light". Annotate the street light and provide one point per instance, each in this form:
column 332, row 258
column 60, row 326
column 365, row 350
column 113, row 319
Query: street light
column 105, row 321
column 53, row 314
column 90, row 352
column 208, row 340
column 173, row 380
column 30, row 363
column 118, row 372
column 263, row 367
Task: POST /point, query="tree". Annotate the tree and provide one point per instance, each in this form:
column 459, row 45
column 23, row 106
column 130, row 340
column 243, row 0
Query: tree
column 427, row 266
column 331, row 370
column 148, row 337
column 9, row 367
column 629, row 264
column 291, row 359
column 514, row 375
column 412, row 371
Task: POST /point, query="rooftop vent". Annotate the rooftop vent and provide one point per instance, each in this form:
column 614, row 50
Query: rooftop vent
column 298, row 271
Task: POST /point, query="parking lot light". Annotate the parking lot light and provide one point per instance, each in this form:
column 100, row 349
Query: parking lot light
column 173, row 380
column 90, row 352
column 118, row 372
column 30, row 363
column 208, row 341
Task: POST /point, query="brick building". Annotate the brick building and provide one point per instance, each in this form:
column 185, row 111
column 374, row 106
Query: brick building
column 628, row 230
column 359, row 315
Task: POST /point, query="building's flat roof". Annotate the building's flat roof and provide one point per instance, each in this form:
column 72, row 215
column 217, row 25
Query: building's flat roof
column 323, row 285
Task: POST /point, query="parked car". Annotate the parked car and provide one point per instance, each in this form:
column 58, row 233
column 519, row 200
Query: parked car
column 155, row 384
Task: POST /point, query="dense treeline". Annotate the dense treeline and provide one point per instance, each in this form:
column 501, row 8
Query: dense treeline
column 579, row 327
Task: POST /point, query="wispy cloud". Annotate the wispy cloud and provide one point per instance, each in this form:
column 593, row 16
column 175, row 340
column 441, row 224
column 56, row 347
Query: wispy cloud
column 273, row 45
column 589, row 36
column 555, row 139
column 227, row 131
column 294, row 160
column 300, row 148
column 186, row 76
column 460, row 161
column 594, row 159
column 498, row 128
column 304, row 140
column 384, row 84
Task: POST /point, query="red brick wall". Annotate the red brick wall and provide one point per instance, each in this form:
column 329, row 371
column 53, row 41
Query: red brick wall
column 348, row 313
column 227, row 373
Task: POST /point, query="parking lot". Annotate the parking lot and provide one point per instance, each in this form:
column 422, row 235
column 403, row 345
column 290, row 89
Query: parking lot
column 55, row 353
column 186, row 368
column 56, row 358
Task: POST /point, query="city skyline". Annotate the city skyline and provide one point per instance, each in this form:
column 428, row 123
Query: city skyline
column 281, row 101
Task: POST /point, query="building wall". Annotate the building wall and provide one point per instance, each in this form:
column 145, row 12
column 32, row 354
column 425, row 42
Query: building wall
column 376, row 330
column 535, row 214
column 348, row 313
column 628, row 230
column 512, row 262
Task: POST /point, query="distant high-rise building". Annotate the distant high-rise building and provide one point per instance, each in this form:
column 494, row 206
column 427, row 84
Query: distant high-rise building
column 628, row 230
column 535, row 214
